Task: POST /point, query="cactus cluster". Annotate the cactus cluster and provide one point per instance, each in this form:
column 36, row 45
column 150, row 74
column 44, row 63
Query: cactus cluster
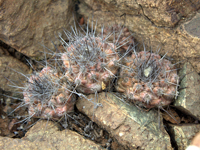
column 89, row 63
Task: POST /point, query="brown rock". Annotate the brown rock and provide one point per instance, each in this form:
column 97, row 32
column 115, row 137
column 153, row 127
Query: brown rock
column 162, row 13
column 47, row 136
column 189, row 96
column 9, row 76
column 177, row 42
column 4, row 122
column 183, row 135
column 132, row 127
column 18, row 144
column 167, row 13
column 119, row 6
column 25, row 24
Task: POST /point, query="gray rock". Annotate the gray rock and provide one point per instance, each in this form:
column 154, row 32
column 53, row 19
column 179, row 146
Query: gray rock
column 131, row 126
column 193, row 27
column 183, row 135
column 189, row 95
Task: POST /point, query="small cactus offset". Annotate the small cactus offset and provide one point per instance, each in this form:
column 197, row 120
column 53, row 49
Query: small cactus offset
column 46, row 97
column 148, row 80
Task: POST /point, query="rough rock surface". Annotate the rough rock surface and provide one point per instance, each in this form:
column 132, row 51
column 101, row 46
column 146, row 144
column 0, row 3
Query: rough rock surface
column 168, row 12
column 132, row 127
column 25, row 24
column 183, row 135
column 193, row 26
column 189, row 99
column 164, row 23
column 47, row 136
column 7, row 75
column 161, row 12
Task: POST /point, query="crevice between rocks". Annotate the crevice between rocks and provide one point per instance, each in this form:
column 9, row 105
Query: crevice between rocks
column 20, row 56
column 171, row 135
column 169, row 129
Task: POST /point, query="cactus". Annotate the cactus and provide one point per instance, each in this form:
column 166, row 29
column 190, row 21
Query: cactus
column 148, row 80
column 46, row 97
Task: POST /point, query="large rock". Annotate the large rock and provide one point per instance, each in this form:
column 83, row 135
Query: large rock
column 153, row 21
column 46, row 136
column 25, row 24
column 162, row 13
column 132, row 127
column 189, row 96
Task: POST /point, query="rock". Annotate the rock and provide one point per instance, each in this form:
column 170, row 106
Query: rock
column 193, row 27
column 4, row 121
column 9, row 76
column 47, row 136
column 163, row 13
column 18, row 144
column 3, row 52
column 184, row 134
column 132, row 127
column 167, row 13
column 26, row 24
column 189, row 97
column 159, row 29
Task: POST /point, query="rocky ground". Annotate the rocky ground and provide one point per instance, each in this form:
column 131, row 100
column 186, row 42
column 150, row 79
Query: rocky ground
column 26, row 25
